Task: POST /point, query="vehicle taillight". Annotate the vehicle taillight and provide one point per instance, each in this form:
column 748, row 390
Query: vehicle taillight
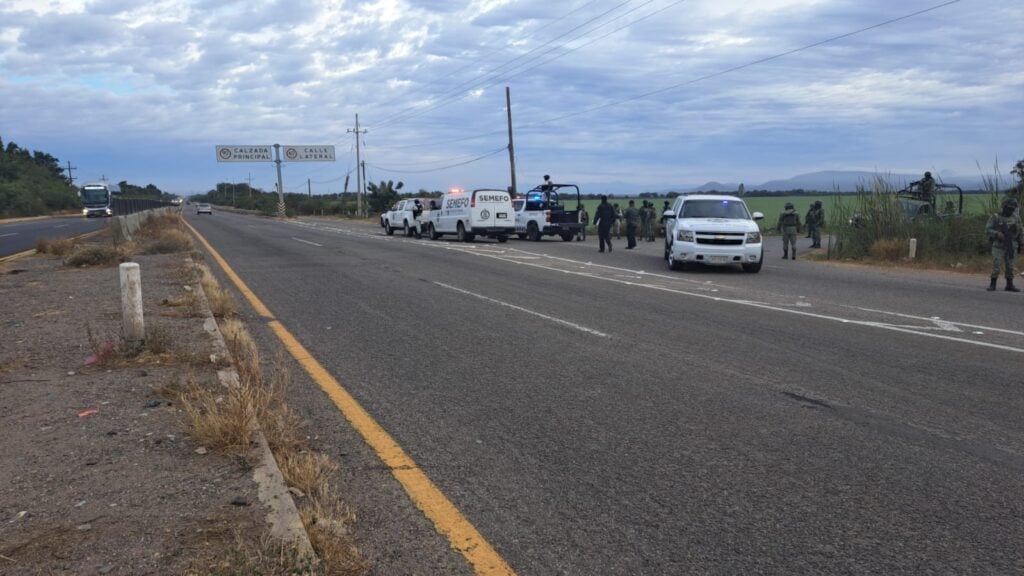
column 472, row 201
column 547, row 216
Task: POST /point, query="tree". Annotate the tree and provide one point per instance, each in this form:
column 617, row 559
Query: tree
column 383, row 195
column 1018, row 171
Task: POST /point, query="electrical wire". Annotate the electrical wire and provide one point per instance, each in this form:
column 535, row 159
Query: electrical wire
column 438, row 169
column 457, row 93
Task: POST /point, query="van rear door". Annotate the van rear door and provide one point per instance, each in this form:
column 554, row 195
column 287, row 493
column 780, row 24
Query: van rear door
column 491, row 208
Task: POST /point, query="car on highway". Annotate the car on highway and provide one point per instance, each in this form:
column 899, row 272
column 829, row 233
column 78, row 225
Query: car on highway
column 204, row 208
column 466, row 215
column 549, row 210
column 404, row 215
column 712, row 229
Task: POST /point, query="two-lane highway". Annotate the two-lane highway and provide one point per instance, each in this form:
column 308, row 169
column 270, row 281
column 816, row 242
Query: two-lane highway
column 596, row 414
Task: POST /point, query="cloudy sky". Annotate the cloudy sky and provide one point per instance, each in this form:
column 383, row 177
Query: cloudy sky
column 612, row 94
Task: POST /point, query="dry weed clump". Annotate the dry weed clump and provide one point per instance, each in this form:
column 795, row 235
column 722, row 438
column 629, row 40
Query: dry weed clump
column 96, row 255
column 59, row 247
column 330, row 525
column 225, row 422
column 266, row 556
column 169, row 242
column 305, row 470
column 221, row 303
column 888, row 249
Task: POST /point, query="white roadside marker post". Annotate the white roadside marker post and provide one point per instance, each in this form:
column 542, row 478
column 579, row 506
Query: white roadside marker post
column 131, row 305
column 913, row 248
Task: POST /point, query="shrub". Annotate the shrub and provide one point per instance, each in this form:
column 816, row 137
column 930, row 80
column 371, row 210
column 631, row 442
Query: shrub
column 60, row 247
column 169, row 241
column 889, row 249
column 99, row 255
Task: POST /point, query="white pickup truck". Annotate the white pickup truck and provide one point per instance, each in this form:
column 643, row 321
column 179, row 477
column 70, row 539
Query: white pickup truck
column 549, row 210
column 405, row 215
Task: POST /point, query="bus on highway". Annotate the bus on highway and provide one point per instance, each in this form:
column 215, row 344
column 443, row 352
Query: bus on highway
column 96, row 198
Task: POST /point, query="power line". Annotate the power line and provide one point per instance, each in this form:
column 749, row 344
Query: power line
column 743, row 66
column 456, row 93
column 470, row 161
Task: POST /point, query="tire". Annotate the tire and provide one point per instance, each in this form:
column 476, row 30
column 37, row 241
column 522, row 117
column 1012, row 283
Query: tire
column 433, row 233
column 756, row 266
column 533, row 232
column 502, row 239
column 470, row 237
column 388, row 229
column 461, row 233
column 521, row 236
column 566, row 236
column 405, row 229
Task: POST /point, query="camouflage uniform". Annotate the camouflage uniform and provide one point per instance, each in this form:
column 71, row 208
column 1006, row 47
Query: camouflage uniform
column 789, row 225
column 1006, row 225
column 815, row 220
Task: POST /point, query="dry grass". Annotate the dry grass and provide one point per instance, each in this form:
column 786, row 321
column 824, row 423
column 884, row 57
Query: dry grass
column 227, row 422
column 221, row 303
column 235, row 555
column 60, row 247
column 330, row 524
column 97, row 255
column 889, row 249
column 169, row 242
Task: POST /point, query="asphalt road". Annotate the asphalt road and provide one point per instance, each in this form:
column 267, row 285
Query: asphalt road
column 20, row 236
column 597, row 414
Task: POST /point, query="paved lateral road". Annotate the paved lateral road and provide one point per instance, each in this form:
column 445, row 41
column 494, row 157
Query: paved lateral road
column 20, row 236
column 596, row 414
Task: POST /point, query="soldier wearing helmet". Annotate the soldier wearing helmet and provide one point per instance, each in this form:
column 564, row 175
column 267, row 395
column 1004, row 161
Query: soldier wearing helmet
column 815, row 220
column 1007, row 235
column 789, row 225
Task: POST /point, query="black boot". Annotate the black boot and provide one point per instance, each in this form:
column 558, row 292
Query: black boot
column 992, row 285
column 785, row 255
column 794, row 254
column 1010, row 287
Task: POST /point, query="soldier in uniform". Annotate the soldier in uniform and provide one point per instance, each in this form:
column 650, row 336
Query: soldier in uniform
column 925, row 186
column 644, row 221
column 1007, row 234
column 632, row 221
column 789, row 225
column 584, row 219
column 815, row 220
column 604, row 217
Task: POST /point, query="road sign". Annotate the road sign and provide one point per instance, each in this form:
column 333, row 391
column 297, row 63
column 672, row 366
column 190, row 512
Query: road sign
column 247, row 153
column 314, row 153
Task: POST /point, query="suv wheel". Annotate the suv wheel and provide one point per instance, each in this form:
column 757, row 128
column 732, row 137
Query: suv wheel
column 388, row 229
column 533, row 232
column 754, row 267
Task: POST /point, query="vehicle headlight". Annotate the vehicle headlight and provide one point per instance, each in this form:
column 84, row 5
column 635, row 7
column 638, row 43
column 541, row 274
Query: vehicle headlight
column 753, row 237
column 85, row 211
column 685, row 236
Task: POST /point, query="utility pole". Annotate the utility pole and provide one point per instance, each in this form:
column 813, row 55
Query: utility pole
column 359, row 180
column 250, row 185
column 71, row 179
column 309, row 188
column 511, row 148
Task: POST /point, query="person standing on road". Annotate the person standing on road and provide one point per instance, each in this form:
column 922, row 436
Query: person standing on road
column 789, row 225
column 815, row 220
column 807, row 219
column 632, row 221
column 584, row 219
column 1007, row 235
column 604, row 217
column 644, row 220
column 618, row 222
column 661, row 218
column 652, row 220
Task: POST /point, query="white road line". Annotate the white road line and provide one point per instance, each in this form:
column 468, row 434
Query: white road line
column 521, row 309
column 939, row 321
column 869, row 324
column 61, row 226
column 307, row 242
column 8, row 234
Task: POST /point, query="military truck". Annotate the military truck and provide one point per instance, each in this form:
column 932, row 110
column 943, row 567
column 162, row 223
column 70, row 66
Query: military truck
column 548, row 210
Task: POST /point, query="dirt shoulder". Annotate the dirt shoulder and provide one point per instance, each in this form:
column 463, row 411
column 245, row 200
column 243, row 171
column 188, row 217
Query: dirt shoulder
column 97, row 475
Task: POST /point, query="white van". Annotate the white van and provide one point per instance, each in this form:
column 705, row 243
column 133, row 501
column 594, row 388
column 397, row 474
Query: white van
column 484, row 212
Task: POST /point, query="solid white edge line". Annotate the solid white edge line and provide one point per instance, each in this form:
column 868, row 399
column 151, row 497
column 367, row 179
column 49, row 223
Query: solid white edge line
column 307, row 242
column 526, row 310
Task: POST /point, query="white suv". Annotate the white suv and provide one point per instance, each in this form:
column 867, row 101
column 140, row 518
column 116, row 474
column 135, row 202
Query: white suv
column 712, row 229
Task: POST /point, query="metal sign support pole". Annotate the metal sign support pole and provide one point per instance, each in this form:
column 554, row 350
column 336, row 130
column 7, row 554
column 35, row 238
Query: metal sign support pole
column 280, row 184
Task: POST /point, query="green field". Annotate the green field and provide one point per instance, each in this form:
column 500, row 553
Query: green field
column 772, row 206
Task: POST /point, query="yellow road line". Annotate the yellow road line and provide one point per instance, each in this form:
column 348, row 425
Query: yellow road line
column 17, row 255
column 447, row 519
column 242, row 287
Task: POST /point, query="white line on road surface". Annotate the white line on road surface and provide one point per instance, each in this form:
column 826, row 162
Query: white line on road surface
column 61, row 226
column 307, row 242
column 882, row 325
column 939, row 321
column 8, row 234
column 521, row 309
